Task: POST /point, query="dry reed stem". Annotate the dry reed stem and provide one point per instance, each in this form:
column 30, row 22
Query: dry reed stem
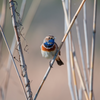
column 73, row 20
column 82, row 58
column 22, row 65
column 81, row 53
column 67, row 42
column 93, row 50
column 86, row 43
column 63, row 40
column 13, row 60
column 12, row 50
column 79, row 73
column 26, row 30
column 70, row 42
column 85, row 34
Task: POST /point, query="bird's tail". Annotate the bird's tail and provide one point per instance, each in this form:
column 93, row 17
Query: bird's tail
column 59, row 61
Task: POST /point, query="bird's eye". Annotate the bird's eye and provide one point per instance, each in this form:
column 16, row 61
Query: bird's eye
column 49, row 38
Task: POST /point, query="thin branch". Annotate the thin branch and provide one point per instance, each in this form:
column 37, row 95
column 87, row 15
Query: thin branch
column 63, row 40
column 12, row 60
column 22, row 65
column 93, row 50
column 12, row 50
column 26, row 30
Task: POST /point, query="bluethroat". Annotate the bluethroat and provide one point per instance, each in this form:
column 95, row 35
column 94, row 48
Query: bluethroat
column 49, row 48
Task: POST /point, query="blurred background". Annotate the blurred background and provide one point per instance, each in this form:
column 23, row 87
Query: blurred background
column 48, row 18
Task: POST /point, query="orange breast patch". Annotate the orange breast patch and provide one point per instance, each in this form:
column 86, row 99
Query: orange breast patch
column 49, row 50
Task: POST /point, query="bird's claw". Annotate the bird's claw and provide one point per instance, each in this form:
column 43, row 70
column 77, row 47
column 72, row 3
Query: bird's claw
column 50, row 64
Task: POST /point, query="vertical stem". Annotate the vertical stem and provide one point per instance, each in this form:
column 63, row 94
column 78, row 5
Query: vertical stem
column 85, row 34
column 23, row 65
column 13, row 60
column 75, row 60
column 86, row 42
column 72, row 21
column 80, row 75
column 93, row 50
column 71, row 54
column 81, row 53
column 68, row 54
column 70, row 42
column 12, row 50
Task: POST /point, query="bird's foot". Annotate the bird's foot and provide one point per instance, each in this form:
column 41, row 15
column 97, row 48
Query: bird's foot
column 50, row 64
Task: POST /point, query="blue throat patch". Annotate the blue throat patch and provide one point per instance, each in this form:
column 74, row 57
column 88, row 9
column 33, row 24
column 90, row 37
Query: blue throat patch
column 49, row 44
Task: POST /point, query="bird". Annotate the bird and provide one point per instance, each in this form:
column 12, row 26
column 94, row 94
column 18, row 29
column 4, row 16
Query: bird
column 49, row 48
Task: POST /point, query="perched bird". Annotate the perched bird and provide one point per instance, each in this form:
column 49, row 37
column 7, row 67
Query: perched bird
column 49, row 48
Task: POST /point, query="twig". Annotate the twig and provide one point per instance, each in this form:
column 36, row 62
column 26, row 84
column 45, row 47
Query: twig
column 93, row 50
column 12, row 50
column 14, row 38
column 23, row 65
column 13, row 60
column 2, row 23
column 71, row 55
column 63, row 40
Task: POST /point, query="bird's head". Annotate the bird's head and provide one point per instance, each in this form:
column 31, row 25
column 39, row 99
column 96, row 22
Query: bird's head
column 49, row 40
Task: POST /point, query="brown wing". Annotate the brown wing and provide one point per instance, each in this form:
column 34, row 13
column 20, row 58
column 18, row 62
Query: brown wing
column 57, row 48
